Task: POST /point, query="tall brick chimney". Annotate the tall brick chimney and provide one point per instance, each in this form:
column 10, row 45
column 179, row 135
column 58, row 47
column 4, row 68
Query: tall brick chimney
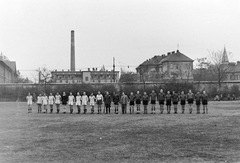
column 72, row 51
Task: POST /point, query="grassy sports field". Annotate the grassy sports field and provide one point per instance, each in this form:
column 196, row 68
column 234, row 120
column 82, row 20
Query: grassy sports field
column 34, row 137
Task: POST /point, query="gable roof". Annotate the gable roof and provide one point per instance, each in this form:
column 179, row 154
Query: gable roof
column 176, row 57
column 153, row 61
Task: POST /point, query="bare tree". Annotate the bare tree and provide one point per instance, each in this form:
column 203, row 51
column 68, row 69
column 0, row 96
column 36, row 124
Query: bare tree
column 44, row 76
column 219, row 66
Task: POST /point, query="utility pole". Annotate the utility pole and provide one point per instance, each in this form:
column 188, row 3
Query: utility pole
column 114, row 78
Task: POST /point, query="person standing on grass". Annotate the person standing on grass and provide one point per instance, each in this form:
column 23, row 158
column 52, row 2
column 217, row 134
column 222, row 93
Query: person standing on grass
column 116, row 100
column 78, row 102
column 198, row 101
column 168, row 102
column 58, row 101
column 175, row 101
column 161, row 98
column 64, row 102
column 190, row 98
column 71, row 100
column 99, row 98
column 39, row 103
column 124, row 101
column 84, row 102
column 45, row 102
column 138, row 98
column 107, row 102
column 153, row 98
column 145, row 100
column 92, row 100
column 131, row 102
column 205, row 102
column 29, row 102
column 183, row 101
column 51, row 100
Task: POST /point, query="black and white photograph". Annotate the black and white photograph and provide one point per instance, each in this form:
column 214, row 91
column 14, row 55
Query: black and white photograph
column 119, row 81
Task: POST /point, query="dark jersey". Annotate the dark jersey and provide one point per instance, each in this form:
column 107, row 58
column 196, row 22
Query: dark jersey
column 190, row 96
column 204, row 97
column 131, row 98
column 138, row 96
column 182, row 97
column 175, row 97
column 64, row 100
column 145, row 98
column 116, row 99
column 153, row 96
column 198, row 97
column 168, row 97
column 161, row 96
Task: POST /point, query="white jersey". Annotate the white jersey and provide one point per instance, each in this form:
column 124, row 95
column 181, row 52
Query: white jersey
column 39, row 100
column 78, row 100
column 84, row 99
column 44, row 100
column 99, row 97
column 57, row 99
column 51, row 100
column 29, row 100
column 71, row 99
column 92, row 100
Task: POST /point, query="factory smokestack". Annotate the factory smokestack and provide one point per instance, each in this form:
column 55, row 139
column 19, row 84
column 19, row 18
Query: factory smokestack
column 72, row 51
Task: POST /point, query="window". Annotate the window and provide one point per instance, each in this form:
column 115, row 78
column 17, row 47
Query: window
column 86, row 78
column 171, row 66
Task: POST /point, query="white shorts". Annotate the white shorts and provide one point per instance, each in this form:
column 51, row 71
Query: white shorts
column 92, row 104
column 78, row 103
column 70, row 103
column 84, row 103
column 29, row 103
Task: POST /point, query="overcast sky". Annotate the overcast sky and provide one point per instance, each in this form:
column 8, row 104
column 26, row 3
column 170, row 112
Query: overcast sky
column 35, row 33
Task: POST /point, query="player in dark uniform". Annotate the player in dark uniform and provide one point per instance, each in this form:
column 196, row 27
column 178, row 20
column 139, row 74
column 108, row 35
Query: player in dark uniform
column 168, row 102
column 145, row 100
column 107, row 102
column 175, row 101
column 131, row 102
column 161, row 98
column 116, row 100
column 183, row 98
column 64, row 102
column 190, row 98
column 205, row 102
column 153, row 98
column 138, row 98
column 198, row 101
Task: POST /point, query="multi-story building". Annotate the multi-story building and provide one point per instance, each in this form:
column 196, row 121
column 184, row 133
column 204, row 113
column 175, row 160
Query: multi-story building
column 90, row 76
column 7, row 70
column 174, row 65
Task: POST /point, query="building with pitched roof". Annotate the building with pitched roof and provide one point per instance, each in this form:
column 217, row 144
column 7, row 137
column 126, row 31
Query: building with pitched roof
column 8, row 71
column 174, row 65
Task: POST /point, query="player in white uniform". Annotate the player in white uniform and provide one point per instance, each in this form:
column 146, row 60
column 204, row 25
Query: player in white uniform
column 29, row 102
column 92, row 102
column 39, row 103
column 45, row 102
column 99, row 99
column 51, row 100
column 58, row 101
column 71, row 100
column 84, row 102
column 78, row 102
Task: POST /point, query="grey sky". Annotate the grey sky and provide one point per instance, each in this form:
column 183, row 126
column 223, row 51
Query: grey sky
column 37, row 33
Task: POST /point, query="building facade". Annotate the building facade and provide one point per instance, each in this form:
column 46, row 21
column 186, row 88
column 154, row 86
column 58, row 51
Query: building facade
column 94, row 76
column 174, row 65
column 8, row 73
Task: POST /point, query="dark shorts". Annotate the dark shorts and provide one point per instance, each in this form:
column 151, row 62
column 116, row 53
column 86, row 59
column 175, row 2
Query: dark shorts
column 145, row 102
column 190, row 101
column 138, row 101
column 204, row 102
column 99, row 102
column 183, row 102
column 161, row 102
column 115, row 103
column 131, row 102
column 153, row 101
column 168, row 102
column 198, row 102
column 175, row 102
column 107, row 105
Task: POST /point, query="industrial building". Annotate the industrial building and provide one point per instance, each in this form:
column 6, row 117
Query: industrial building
column 77, row 76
